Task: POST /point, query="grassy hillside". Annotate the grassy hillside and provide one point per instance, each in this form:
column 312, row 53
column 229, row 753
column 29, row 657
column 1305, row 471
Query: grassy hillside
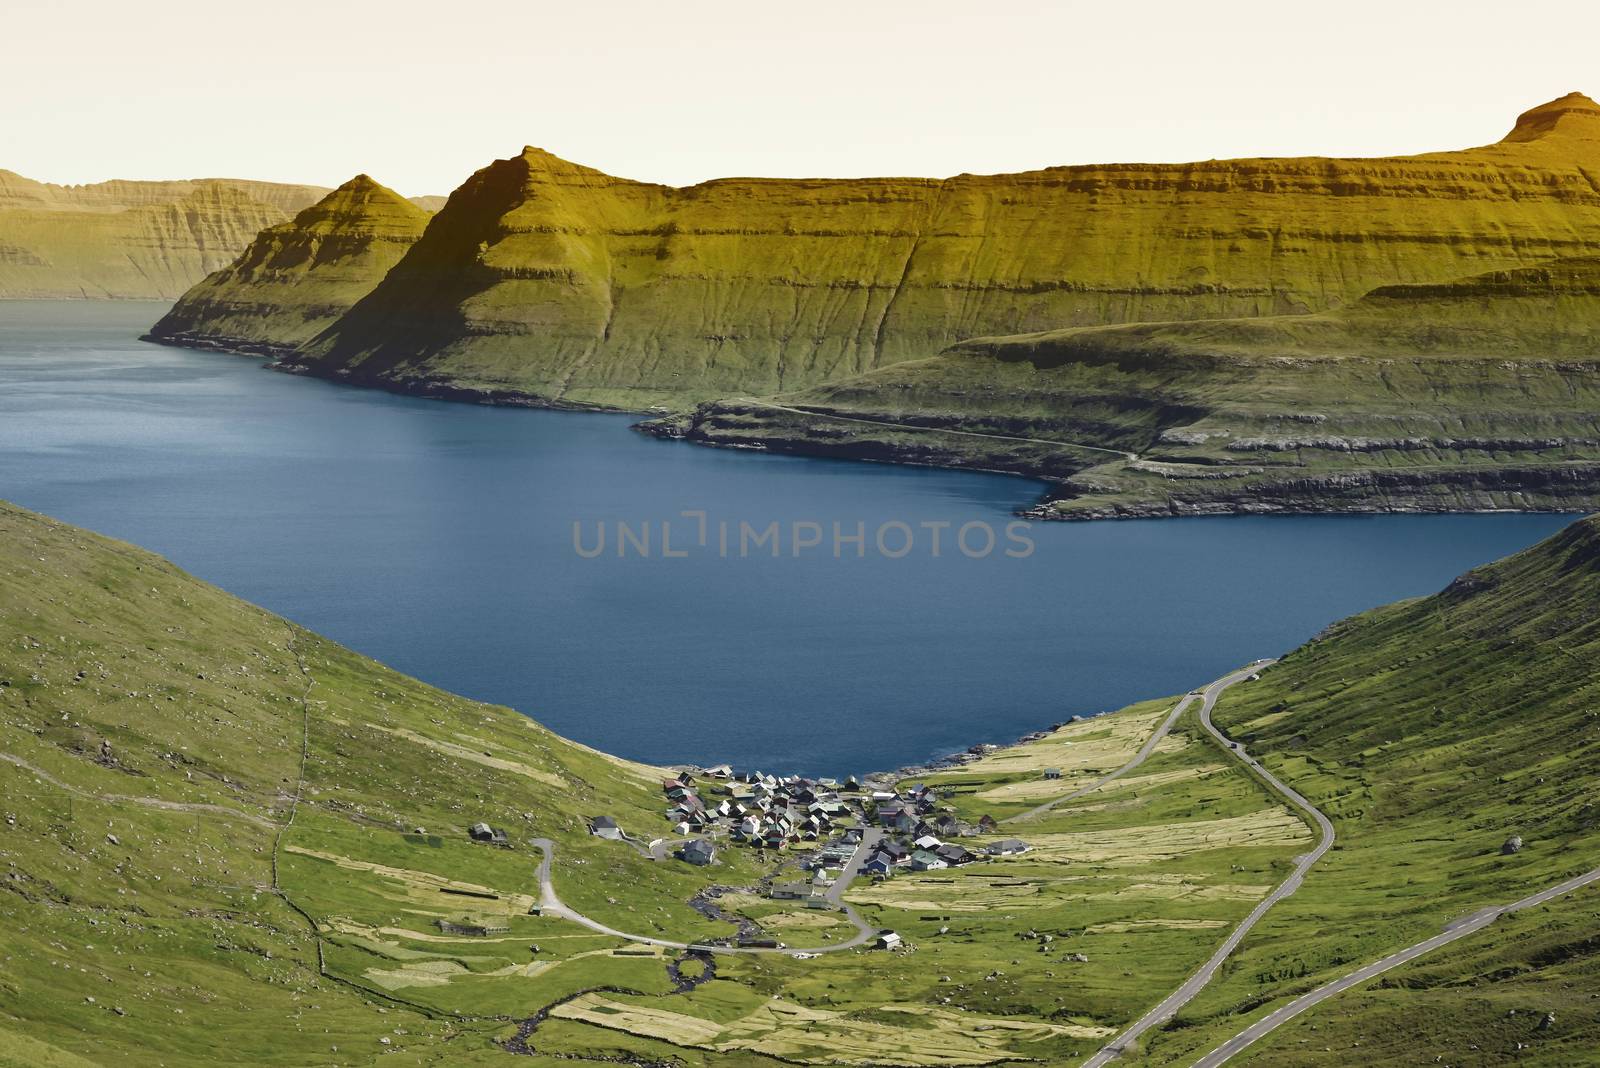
column 296, row 278
column 188, row 783
column 1432, row 731
column 225, row 836
column 224, row 833
column 542, row 279
column 1474, row 394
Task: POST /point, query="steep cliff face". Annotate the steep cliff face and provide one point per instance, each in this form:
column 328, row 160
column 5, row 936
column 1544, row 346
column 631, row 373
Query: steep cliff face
column 1478, row 394
column 546, row 278
column 133, row 240
column 130, row 240
column 297, row 277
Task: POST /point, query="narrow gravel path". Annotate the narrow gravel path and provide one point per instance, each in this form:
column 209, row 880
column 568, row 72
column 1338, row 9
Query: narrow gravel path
column 550, row 905
column 196, row 807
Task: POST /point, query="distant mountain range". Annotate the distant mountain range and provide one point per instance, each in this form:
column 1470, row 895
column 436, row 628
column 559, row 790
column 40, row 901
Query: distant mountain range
column 134, row 240
column 1406, row 334
column 551, row 281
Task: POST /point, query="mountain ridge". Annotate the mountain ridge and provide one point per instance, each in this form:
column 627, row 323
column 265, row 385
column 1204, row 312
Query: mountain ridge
column 565, row 285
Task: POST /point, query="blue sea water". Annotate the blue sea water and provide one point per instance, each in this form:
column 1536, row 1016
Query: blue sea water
column 439, row 539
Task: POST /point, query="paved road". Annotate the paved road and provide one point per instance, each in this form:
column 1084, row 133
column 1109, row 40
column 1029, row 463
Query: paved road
column 1196, row 982
column 1210, row 696
column 550, row 905
column 870, row 837
column 939, row 429
column 1458, row 929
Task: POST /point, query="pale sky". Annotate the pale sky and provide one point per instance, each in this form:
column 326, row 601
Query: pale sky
column 678, row 91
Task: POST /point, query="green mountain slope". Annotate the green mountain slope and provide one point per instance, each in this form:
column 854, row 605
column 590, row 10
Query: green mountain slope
column 186, row 780
column 545, row 280
column 1432, row 731
column 296, row 278
column 223, row 836
column 1468, row 395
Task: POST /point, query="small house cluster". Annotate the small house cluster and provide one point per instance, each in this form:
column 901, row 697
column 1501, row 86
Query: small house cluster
column 916, row 834
column 755, row 808
column 832, row 819
column 812, row 892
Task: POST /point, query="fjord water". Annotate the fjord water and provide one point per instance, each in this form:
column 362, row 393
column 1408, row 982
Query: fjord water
column 438, row 538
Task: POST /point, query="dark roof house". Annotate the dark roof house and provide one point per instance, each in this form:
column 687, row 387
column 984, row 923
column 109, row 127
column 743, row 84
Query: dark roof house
column 699, row 852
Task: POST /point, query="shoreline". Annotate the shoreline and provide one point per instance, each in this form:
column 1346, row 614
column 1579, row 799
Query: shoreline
column 669, row 426
column 425, row 389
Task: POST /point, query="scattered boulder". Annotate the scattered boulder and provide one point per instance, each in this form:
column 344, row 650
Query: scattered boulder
column 1512, row 845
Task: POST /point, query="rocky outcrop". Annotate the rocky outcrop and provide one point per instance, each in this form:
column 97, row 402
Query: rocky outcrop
column 296, row 278
column 546, row 278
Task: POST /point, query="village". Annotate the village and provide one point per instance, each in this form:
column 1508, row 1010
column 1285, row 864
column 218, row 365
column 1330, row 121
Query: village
column 853, row 827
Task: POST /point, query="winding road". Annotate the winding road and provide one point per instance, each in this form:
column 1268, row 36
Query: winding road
column 1209, row 695
column 550, row 905
column 1196, row 982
